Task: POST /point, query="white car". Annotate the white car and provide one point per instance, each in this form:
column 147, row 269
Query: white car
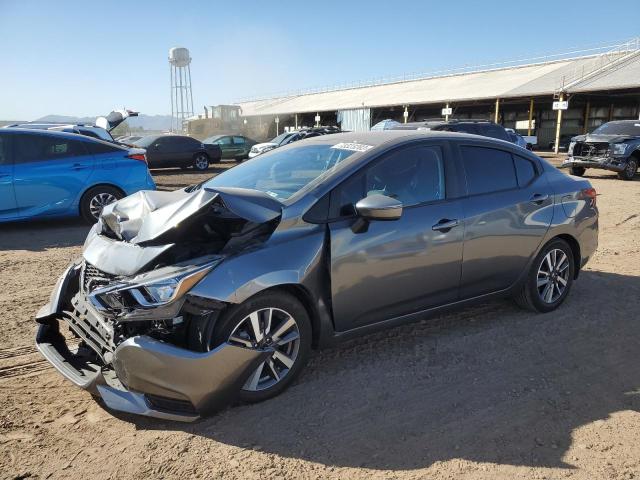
column 279, row 141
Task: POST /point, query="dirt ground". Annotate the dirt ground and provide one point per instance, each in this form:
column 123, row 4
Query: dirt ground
column 490, row 392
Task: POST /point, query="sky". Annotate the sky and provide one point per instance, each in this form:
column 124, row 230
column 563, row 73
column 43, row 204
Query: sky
column 86, row 58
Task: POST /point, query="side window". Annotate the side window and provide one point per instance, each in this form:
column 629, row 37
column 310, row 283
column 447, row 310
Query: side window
column 488, row 169
column 238, row 140
column 224, row 141
column 97, row 148
column 412, row 175
column 33, row 148
column 494, row 131
column 525, row 170
column 4, row 149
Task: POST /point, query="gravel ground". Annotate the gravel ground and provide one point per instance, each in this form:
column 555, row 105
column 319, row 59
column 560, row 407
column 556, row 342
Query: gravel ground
column 490, row 392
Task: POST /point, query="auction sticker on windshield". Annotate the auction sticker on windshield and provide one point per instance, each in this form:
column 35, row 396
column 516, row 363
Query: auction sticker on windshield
column 354, row 147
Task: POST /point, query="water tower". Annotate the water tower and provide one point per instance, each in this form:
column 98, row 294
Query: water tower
column 181, row 94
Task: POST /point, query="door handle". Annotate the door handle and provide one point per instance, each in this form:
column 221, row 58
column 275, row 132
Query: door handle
column 444, row 225
column 79, row 166
column 538, row 198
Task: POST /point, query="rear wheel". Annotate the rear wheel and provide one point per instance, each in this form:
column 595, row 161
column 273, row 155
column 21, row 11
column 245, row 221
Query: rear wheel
column 201, row 162
column 578, row 171
column 630, row 170
column 549, row 279
column 95, row 199
column 275, row 320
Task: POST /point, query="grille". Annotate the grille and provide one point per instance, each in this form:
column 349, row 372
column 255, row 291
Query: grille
column 93, row 278
column 591, row 149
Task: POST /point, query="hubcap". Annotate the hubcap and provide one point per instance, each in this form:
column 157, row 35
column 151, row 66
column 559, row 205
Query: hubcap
column 100, row 201
column 202, row 162
column 268, row 328
column 553, row 275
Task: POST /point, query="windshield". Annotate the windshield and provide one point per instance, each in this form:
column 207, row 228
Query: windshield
column 282, row 173
column 145, row 142
column 619, row 128
column 280, row 138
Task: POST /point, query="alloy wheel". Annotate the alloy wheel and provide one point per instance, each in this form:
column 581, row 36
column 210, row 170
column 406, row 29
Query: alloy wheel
column 202, row 162
column 268, row 328
column 99, row 201
column 553, row 276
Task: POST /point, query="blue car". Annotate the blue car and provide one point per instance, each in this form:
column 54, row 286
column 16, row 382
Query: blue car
column 46, row 174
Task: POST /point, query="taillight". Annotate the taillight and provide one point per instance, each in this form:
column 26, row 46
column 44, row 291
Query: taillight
column 141, row 157
column 589, row 194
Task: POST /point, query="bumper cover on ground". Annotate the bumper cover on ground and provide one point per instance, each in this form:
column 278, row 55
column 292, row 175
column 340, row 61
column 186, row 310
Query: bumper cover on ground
column 154, row 378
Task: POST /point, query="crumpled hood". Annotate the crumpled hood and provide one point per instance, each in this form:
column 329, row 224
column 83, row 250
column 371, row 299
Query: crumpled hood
column 590, row 138
column 147, row 215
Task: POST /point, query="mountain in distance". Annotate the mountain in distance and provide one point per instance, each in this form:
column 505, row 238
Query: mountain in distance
column 147, row 122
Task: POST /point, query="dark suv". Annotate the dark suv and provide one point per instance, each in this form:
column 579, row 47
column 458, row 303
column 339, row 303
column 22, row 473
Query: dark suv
column 613, row 146
column 484, row 128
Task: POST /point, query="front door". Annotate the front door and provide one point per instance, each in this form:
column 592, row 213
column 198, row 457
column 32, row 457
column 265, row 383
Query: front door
column 8, row 206
column 50, row 172
column 507, row 213
column 403, row 266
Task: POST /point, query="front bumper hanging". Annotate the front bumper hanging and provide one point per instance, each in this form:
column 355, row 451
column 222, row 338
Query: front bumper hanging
column 604, row 163
column 146, row 376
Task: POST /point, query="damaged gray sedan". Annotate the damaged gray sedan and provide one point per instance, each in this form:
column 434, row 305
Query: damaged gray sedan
column 185, row 301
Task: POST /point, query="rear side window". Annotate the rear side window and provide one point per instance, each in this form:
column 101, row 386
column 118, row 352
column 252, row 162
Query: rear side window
column 97, row 148
column 35, row 148
column 488, row 170
column 525, row 169
column 492, row 130
column 238, row 140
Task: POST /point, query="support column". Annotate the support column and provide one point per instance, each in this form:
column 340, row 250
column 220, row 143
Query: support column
column 556, row 145
column 610, row 111
column 405, row 114
column 497, row 115
column 296, row 116
column 530, row 118
column 446, row 117
column 587, row 112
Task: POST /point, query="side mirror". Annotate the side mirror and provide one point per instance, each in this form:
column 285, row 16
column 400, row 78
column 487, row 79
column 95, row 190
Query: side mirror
column 379, row 207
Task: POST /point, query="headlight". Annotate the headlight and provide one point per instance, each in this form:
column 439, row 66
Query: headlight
column 619, row 148
column 570, row 149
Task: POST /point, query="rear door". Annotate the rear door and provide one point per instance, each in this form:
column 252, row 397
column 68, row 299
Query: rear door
column 239, row 147
column 50, row 173
column 507, row 212
column 8, row 206
column 226, row 146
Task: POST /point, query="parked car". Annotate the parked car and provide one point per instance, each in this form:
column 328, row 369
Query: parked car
column 178, row 151
column 45, row 174
column 476, row 127
column 612, row 146
column 101, row 130
column 387, row 124
column 563, row 144
column 220, row 291
column 232, row 146
column 290, row 137
column 518, row 139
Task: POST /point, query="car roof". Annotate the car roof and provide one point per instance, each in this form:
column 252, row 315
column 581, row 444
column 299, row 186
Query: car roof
column 38, row 131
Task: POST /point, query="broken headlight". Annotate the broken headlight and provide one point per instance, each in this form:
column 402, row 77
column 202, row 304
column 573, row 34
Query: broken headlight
column 619, row 148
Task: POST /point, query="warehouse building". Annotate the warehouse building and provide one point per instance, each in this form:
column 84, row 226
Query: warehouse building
column 598, row 88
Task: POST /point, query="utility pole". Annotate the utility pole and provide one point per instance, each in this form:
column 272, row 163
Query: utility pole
column 556, row 147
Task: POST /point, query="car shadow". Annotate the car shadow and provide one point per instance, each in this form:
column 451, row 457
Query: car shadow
column 40, row 235
column 491, row 383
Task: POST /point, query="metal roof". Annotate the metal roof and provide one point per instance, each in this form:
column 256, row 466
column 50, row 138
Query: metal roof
column 613, row 70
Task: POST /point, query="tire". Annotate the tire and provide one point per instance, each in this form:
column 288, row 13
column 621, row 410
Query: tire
column 201, row 162
column 630, row 170
column 233, row 324
column 578, row 171
column 536, row 298
column 95, row 199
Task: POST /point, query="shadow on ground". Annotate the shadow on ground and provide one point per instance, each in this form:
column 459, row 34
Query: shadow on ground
column 489, row 384
column 43, row 234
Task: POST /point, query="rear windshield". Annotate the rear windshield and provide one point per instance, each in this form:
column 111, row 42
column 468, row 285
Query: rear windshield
column 144, row 142
column 619, row 128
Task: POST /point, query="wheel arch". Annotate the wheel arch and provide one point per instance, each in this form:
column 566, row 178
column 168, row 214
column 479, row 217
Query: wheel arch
column 101, row 184
column 575, row 250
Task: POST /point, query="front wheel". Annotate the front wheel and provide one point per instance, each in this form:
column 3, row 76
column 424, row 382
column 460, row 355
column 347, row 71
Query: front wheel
column 275, row 320
column 578, row 171
column 549, row 279
column 630, row 170
column 95, row 199
column 201, row 162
